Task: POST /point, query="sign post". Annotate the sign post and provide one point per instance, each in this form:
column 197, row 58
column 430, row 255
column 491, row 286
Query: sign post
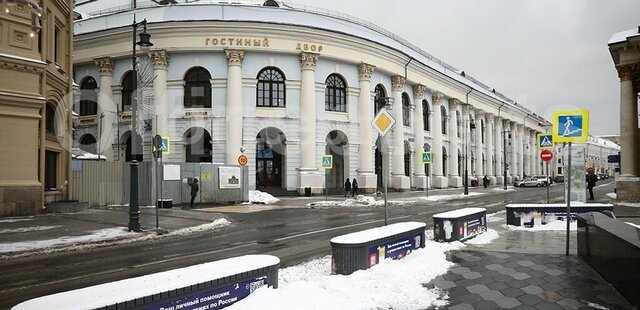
column 383, row 122
column 426, row 160
column 326, row 162
column 570, row 126
column 547, row 156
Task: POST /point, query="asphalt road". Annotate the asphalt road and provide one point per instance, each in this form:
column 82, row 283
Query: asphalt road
column 294, row 235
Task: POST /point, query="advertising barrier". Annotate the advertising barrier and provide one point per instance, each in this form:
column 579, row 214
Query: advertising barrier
column 461, row 224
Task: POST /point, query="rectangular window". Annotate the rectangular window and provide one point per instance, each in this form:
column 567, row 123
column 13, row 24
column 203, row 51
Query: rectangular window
column 50, row 170
column 559, row 170
column 56, row 44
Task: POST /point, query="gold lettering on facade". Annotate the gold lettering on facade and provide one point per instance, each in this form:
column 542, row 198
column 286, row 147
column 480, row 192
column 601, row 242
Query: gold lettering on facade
column 256, row 42
column 223, row 41
column 230, row 41
column 206, row 41
column 265, row 42
column 307, row 47
column 237, row 42
column 247, row 42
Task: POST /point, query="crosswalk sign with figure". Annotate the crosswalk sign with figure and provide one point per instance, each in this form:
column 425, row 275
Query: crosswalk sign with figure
column 545, row 141
column 426, row 157
column 327, row 161
column 571, row 126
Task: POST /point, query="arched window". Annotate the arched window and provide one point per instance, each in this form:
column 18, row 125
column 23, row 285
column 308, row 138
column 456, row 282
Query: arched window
column 88, row 144
column 198, row 146
column 482, row 130
column 271, row 88
column 444, row 161
column 88, row 97
column 443, row 119
column 197, row 88
column 335, row 95
column 50, row 119
column 425, row 114
column 406, row 110
column 127, row 91
column 380, row 99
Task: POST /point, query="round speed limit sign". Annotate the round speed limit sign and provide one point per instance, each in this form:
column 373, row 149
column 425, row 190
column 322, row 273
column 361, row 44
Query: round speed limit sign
column 243, row 160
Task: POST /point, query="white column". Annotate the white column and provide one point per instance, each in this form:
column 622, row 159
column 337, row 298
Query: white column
column 419, row 177
column 521, row 151
column 629, row 164
column 107, row 109
column 367, row 180
column 308, row 172
column 499, row 138
column 454, row 176
column 438, row 178
column 478, row 152
column 399, row 181
column 526, row 148
column 160, row 62
column 513, row 165
column 532, row 148
column 233, row 108
column 490, row 149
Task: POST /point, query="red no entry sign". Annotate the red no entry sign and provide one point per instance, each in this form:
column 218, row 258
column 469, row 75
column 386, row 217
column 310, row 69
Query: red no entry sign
column 546, row 155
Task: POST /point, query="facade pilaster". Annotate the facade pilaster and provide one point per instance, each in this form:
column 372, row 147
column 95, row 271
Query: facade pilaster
column 499, row 140
column 399, row 180
column 628, row 184
column 233, row 110
column 513, row 165
column 438, row 178
column 477, row 167
column 367, row 180
column 455, row 180
column 490, row 149
column 160, row 60
column 526, row 145
column 107, row 109
column 419, row 177
column 309, row 175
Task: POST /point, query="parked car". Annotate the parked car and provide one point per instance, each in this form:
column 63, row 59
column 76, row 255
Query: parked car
column 559, row 178
column 602, row 176
column 547, row 180
column 530, row 181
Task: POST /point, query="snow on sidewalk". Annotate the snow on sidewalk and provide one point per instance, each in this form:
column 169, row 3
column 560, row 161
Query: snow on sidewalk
column 555, row 225
column 258, row 197
column 393, row 284
column 449, row 197
column 96, row 238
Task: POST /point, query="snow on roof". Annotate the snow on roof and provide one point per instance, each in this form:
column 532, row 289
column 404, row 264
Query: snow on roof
column 624, row 35
column 377, row 233
column 110, row 293
column 286, row 14
column 459, row 212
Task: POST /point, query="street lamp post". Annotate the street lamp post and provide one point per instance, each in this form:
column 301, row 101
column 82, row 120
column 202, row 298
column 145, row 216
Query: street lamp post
column 472, row 126
column 145, row 44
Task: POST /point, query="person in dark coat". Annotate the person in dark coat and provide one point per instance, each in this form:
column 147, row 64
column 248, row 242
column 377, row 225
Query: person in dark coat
column 354, row 188
column 194, row 191
column 591, row 181
column 485, row 181
column 347, row 188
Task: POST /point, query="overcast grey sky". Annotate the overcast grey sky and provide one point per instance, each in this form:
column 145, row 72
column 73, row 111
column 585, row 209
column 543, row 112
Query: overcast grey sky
column 544, row 54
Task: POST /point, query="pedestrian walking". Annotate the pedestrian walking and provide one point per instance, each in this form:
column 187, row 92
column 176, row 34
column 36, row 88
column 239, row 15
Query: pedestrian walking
column 194, row 191
column 347, row 188
column 591, row 181
column 485, row 181
column 354, row 188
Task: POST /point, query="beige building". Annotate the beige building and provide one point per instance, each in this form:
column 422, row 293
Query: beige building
column 35, row 104
column 625, row 51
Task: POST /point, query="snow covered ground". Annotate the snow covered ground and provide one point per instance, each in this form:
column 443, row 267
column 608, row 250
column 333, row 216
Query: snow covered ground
column 449, row 197
column 388, row 285
column 496, row 217
column 509, row 189
column 259, row 197
column 612, row 195
column 555, row 225
column 484, row 238
column 96, row 238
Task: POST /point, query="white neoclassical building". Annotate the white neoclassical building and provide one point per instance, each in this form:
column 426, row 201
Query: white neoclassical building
column 289, row 85
column 596, row 151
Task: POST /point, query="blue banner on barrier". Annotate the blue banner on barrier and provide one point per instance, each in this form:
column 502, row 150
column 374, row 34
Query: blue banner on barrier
column 215, row 299
column 396, row 249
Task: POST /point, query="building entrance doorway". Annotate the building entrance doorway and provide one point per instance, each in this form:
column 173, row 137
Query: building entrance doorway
column 270, row 158
column 337, row 147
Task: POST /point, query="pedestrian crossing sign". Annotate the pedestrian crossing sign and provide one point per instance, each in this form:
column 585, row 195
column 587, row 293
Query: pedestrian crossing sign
column 571, row 126
column 545, row 141
column 426, row 157
column 327, row 161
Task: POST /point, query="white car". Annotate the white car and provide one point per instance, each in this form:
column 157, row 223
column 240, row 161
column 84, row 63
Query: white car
column 530, row 182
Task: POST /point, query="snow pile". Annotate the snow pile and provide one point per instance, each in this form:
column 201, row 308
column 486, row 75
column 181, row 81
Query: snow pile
column 509, row 189
column 449, row 197
column 261, row 197
column 388, row 285
column 97, row 238
column 484, row 238
column 555, row 225
column 496, row 217
column 359, row 201
column 612, row 195
column 634, row 225
column 27, row 229
column 16, row 219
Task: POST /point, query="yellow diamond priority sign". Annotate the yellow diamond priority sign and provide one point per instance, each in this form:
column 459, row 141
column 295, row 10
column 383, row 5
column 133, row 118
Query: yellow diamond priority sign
column 383, row 122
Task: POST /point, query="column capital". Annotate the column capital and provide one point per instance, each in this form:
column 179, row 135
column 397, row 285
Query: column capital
column 453, row 103
column 234, row 57
column 397, row 82
column 437, row 98
column 308, row 61
column 626, row 72
column 418, row 91
column 365, row 71
column 105, row 65
column 160, row 59
column 479, row 113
